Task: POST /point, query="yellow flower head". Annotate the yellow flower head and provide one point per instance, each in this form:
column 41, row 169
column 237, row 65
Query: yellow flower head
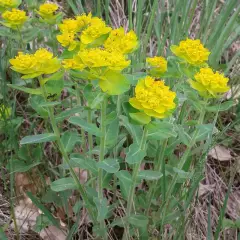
column 96, row 29
column 72, row 64
column 158, row 65
column 209, row 84
column 5, row 112
column 69, row 25
column 191, row 51
column 121, row 42
column 83, row 20
column 14, row 18
column 34, row 65
column 24, row 63
column 47, row 10
column 98, row 58
column 7, row 4
column 153, row 98
column 67, row 39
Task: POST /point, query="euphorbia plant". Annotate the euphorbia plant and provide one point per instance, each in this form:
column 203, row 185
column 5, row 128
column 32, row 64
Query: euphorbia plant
column 132, row 133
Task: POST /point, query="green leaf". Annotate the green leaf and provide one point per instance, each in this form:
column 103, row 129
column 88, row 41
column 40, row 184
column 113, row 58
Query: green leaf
column 160, row 130
column 181, row 174
column 139, row 221
column 36, row 102
column 221, row 107
column 41, row 138
column 102, row 207
column 125, row 181
column 36, row 91
column 90, row 128
column 22, row 166
column 204, row 131
column 149, row 175
column 97, row 100
column 54, row 87
column 112, row 134
column 109, row 165
column 43, row 209
column 134, row 130
column 63, row 184
column 114, row 83
column 135, row 154
column 49, row 104
column 140, row 117
column 65, row 114
column 69, row 140
column 42, row 222
column 88, row 164
column 54, row 77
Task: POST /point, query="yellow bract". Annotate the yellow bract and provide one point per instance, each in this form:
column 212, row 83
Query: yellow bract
column 83, row 20
column 121, row 42
column 7, row 4
column 69, row 25
column 209, row 84
column 70, row 28
column 72, row 64
column 14, row 18
column 95, row 30
column 158, row 65
column 191, row 51
column 67, row 39
column 34, row 65
column 153, row 98
column 47, row 10
column 98, row 58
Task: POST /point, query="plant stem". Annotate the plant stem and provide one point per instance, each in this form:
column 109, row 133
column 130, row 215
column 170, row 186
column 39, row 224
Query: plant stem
column 99, row 10
column 65, row 155
column 136, row 168
column 164, row 205
column 21, row 39
column 101, row 158
column 159, row 166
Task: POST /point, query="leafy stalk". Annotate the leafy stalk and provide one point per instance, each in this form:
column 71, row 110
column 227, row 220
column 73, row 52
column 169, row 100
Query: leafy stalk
column 136, row 168
column 101, row 157
column 65, row 155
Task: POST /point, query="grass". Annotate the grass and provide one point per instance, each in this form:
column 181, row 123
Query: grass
column 176, row 213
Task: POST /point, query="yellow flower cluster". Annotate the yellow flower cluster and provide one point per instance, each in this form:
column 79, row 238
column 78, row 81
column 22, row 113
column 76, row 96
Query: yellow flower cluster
column 158, row 65
column 70, row 29
column 74, row 64
column 14, row 19
column 153, row 98
column 8, row 4
column 121, row 42
column 34, row 65
column 209, row 84
column 191, row 51
column 47, row 11
column 100, row 58
column 95, row 30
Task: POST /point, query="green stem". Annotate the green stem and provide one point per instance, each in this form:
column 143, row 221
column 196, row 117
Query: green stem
column 181, row 164
column 21, row 39
column 101, row 158
column 136, row 168
column 159, row 166
column 65, row 155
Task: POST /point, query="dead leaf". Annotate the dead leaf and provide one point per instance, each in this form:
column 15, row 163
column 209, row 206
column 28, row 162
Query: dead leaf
column 233, row 93
column 220, row 153
column 26, row 214
column 52, row 233
column 203, row 189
